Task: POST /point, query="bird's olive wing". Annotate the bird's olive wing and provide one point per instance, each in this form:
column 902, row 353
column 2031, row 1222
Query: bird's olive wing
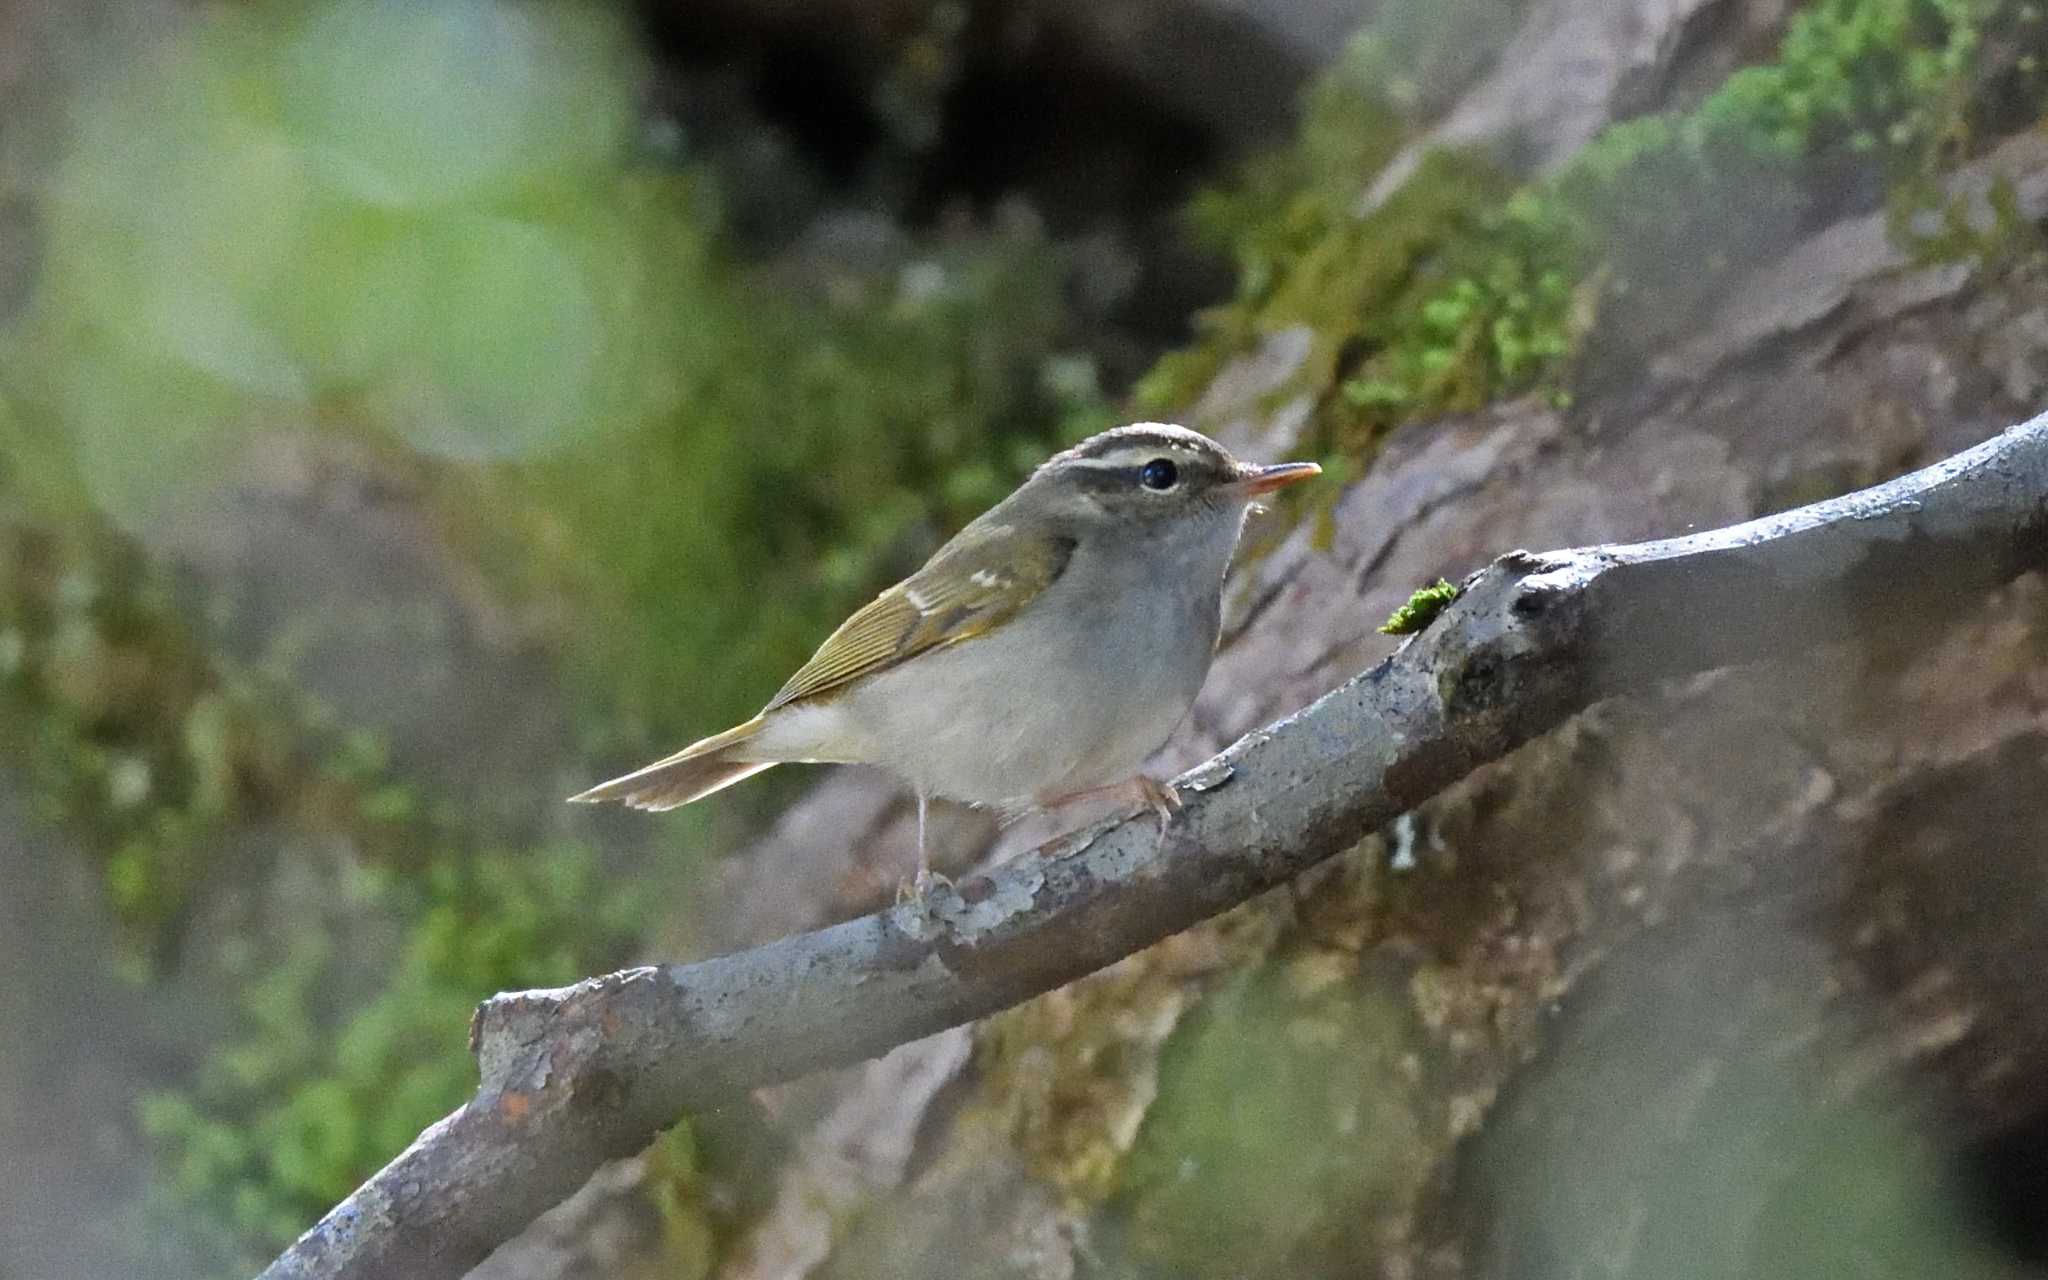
column 973, row 585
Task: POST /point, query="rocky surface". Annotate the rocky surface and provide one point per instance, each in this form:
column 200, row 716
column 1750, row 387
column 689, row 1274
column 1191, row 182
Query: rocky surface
column 1572, row 69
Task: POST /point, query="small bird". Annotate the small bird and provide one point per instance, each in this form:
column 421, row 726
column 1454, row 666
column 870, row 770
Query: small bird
column 1037, row 658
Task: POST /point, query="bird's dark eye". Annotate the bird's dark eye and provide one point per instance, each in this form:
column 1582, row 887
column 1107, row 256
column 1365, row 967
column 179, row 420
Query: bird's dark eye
column 1160, row 473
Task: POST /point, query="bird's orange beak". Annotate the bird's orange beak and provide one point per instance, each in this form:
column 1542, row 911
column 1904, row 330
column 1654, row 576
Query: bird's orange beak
column 1257, row 480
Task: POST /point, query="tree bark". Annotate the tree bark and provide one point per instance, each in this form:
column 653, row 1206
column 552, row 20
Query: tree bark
column 575, row 1076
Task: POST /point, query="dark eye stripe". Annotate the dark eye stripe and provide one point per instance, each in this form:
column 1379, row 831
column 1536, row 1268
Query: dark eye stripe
column 1099, row 479
column 1105, row 479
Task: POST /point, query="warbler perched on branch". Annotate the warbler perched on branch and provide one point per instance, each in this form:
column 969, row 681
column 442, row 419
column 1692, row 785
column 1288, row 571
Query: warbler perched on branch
column 1038, row 657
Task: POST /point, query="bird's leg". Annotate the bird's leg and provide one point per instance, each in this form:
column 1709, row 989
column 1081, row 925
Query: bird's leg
column 924, row 853
column 926, row 877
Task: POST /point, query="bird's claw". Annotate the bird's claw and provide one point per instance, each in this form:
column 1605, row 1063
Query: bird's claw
column 1160, row 797
column 917, row 889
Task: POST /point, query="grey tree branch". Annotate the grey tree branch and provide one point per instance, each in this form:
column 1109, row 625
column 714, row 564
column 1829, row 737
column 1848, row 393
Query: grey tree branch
column 576, row 1076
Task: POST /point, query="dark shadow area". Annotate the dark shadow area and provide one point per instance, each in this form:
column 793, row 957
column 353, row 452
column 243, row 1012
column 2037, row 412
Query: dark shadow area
column 2008, row 1176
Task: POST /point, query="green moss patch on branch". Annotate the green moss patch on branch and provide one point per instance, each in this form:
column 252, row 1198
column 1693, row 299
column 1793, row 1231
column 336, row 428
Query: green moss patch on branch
column 1420, row 609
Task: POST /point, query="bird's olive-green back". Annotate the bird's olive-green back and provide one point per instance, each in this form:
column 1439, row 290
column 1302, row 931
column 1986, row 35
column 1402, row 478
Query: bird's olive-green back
column 975, row 583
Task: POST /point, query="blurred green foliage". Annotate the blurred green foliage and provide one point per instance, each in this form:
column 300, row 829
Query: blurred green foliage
column 120, row 722
column 438, row 233
column 435, row 228
column 828, row 448
column 400, row 209
column 307, row 1100
column 355, row 958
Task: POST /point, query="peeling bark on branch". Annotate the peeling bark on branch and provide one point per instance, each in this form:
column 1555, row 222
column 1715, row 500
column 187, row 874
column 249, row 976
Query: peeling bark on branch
column 575, row 1076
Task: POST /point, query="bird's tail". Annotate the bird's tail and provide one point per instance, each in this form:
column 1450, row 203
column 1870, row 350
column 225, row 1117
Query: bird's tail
column 690, row 774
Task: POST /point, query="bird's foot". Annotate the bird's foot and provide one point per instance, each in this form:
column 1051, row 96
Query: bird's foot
column 1141, row 791
column 919, row 887
column 1160, row 797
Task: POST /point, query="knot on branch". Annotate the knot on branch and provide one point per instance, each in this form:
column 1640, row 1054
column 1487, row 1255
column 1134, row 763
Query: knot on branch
column 525, row 1040
column 1508, row 643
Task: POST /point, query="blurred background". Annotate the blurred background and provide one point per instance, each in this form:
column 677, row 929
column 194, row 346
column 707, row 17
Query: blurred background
column 413, row 412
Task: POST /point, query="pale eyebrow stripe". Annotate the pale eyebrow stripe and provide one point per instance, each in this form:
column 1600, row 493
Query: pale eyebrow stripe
column 1138, row 455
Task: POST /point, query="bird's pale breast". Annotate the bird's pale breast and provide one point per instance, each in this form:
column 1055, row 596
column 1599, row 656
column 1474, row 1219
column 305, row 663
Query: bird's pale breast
column 1074, row 692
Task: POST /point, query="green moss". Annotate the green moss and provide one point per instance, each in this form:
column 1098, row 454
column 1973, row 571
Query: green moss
column 1287, row 203
column 675, row 1177
column 1866, row 102
column 122, row 726
column 1495, row 311
column 1447, row 294
column 1067, row 1077
column 1405, row 301
column 155, row 754
column 1872, row 77
column 1461, row 288
column 306, row 1100
column 1985, row 227
column 1178, row 378
column 1420, row 610
column 1287, row 1122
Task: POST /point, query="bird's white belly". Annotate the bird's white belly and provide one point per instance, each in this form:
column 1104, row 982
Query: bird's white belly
column 1027, row 711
